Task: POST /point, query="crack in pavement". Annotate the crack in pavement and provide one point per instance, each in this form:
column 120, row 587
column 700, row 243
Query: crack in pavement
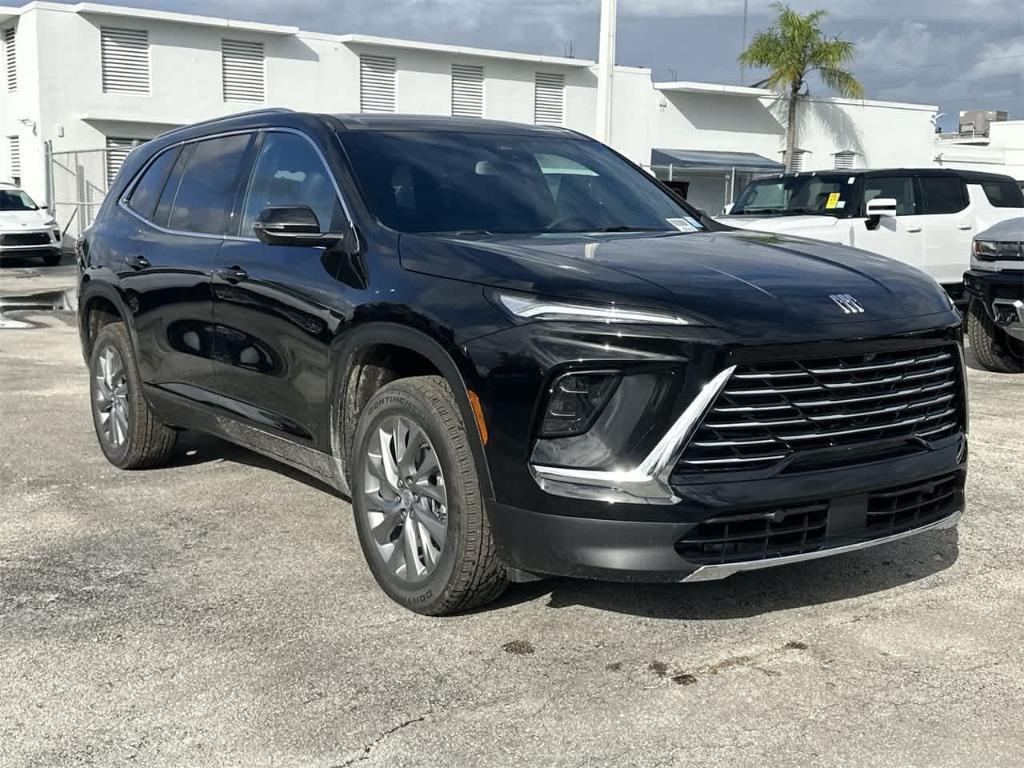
column 368, row 749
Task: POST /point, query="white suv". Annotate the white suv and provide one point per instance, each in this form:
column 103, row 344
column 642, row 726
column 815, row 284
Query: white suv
column 923, row 217
column 25, row 228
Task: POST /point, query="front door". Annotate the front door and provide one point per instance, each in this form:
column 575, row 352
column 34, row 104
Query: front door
column 277, row 307
column 900, row 238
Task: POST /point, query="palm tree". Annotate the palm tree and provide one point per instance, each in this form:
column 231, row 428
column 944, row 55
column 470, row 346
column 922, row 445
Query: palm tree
column 793, row 48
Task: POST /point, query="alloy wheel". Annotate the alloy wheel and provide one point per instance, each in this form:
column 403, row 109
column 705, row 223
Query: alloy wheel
column 111, row 405
column 405, row 501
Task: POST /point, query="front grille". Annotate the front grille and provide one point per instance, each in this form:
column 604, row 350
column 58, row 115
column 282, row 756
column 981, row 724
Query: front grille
column 801, row 411
column 26, row 238
column 785, row 531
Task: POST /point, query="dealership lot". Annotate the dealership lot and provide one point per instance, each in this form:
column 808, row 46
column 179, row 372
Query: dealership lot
column 218, row 612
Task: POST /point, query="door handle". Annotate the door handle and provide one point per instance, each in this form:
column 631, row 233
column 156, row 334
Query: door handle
column 231, row 274
column 965, row 226
column 138, row 261
column 913, row 229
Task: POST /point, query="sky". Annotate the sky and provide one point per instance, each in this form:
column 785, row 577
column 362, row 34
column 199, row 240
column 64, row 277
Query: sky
column 956, row 54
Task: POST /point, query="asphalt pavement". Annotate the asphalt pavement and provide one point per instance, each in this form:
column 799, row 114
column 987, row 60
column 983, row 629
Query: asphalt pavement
column 217, row 612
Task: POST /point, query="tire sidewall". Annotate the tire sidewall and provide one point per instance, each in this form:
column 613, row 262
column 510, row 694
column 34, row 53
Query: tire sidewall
column 393, row 400
column 114, row 336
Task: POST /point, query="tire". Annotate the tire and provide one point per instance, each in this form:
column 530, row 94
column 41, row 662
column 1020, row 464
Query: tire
column 400, row 522
column 995, row 350
column 52, row 258
column 129, row 433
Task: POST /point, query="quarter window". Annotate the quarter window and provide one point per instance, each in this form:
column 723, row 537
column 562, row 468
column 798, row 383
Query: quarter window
column 1003, row 194
column 147, row 191
column 942, row 194
column 289, row 172
column 901, row 188
column 206, row 193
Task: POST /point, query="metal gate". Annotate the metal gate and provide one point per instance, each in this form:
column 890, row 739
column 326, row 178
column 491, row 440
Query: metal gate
column 77, row 181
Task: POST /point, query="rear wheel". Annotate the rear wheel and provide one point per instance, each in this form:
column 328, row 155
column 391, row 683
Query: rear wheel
column 994, row 348
column 129, row 433
column 416, row 498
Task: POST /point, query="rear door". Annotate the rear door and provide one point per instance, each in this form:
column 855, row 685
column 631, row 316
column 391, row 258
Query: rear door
column 948, row 221
column 178, row 210
column 900, row 238
column 273, row 303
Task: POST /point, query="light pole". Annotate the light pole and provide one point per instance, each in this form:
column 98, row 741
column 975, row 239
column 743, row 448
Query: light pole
column 605, row 71
column 743, row 69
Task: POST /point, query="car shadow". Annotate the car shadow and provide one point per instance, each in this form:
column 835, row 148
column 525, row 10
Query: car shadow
column 754, row 593
column 743, row 595
column 194, row 448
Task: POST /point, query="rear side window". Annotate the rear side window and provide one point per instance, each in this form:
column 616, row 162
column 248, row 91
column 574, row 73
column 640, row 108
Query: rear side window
column 147, row 191
column 900, row 188
column 206, row 192
column 1003, row 194
column 942, row 194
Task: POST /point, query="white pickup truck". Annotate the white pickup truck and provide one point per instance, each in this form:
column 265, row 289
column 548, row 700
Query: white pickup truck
column 924, row 217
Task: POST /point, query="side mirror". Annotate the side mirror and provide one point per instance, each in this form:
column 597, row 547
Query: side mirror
column 881, row 206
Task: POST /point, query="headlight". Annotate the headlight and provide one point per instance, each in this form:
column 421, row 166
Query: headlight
column 536, row 308
column 994, row 250
column 51, row 222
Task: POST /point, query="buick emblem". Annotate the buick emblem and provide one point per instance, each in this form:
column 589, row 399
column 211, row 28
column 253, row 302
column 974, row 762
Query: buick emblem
column 847, row 303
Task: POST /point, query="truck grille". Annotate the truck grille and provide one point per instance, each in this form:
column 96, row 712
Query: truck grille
column 27, row 238
column 773, row 412
column 796, row 530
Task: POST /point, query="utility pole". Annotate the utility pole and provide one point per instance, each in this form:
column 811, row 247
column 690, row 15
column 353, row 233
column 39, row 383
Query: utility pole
column 743, row 69
column 605, row 71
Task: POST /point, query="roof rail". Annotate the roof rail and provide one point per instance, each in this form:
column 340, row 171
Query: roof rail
column 224, row 118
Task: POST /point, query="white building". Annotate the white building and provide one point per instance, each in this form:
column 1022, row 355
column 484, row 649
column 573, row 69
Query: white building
column 998, row 149
column 86, row 78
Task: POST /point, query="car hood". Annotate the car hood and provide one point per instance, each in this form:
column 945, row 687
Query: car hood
column 15, row 220
column 1011, row 230
column 812, row 226
column 746, row 282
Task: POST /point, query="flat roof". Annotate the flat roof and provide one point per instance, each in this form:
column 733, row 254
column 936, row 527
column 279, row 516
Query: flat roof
column 686, row 86
column 460, row 50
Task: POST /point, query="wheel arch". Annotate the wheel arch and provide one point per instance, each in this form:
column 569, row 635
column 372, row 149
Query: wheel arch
column 366, row 346
column 100, row 304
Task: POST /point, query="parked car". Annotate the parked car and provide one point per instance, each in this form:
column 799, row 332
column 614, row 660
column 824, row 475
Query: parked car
column 27, row 229
column 516, row 352
column 924, row 217
column 995, row 285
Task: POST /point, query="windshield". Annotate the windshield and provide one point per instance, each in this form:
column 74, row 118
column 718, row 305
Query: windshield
column 16, row 200
column 494, row 183
column 825, row 194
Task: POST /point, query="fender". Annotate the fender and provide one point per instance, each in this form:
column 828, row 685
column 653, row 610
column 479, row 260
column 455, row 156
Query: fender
column 349, row 345
column 91, row 289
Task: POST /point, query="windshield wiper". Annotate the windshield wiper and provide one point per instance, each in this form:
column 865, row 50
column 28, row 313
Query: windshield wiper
column 624, row 229
column 459, row 232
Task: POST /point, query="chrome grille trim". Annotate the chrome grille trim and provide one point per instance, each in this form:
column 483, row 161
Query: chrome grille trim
column 771, row 412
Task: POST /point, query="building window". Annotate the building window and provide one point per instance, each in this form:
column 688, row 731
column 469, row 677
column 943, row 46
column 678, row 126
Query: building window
column 11, row 59
column 14, row 158
column 124, row 55
column 467, row 90
column 244, row 71
column 844, row 160
column 376, row 83
column 548, row 99
column 117, row 152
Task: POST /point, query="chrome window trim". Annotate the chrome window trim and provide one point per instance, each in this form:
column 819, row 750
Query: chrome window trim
column 122, row 201
column 648, row 482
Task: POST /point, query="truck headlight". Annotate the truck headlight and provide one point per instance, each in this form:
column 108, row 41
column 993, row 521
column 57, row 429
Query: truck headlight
column 995, row 250
column 529, row 307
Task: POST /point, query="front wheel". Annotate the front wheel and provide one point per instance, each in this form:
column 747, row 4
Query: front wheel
column 994, row 348
column 416, row 498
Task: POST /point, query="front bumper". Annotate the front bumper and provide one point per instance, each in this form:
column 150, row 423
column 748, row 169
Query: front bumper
column 646, row 551
column 1002, row 295
column 29, row 241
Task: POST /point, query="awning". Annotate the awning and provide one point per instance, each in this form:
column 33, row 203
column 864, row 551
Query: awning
column 710, row 160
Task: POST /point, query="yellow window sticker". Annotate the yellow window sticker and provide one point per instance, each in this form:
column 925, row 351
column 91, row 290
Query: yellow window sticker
column 833, row 201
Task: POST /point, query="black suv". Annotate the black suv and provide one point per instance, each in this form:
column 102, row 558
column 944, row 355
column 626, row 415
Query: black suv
column 516, row 352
